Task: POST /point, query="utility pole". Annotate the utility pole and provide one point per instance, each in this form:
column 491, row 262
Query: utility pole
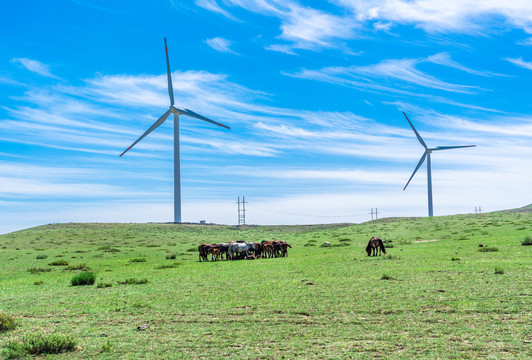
column 376, row 214
column 241, row 211
column 371, row 214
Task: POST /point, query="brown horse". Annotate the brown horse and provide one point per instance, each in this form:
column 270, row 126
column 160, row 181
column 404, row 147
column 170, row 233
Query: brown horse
column 375, row 246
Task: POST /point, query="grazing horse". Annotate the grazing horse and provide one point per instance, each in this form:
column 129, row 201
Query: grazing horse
column 284, row 248
column 267, row 249
column 215, row 253
column 239, row 248
column 375, row 246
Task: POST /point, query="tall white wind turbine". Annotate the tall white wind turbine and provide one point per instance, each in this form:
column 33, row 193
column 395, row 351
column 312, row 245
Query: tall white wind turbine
column 426, row 155
column 176, row 110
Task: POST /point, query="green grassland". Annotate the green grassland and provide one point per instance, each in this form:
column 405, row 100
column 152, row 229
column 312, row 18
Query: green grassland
column 434, row 295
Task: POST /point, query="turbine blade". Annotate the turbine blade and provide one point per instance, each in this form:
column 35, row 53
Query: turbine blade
column 170, row 87
column 451, row 147
column 198, row 116
column 415, row 131
column 417, row 167
column 153, row 127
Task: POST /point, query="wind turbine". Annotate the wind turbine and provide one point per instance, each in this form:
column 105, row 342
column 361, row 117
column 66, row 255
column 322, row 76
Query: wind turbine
column 426, row 155
column 176, row 110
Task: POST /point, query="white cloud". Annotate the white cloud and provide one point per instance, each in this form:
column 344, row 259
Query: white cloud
column 391, row 73
column 220, row 44
column 520, row 62
column 463, row 16
column 34, row 66
column 213, row 6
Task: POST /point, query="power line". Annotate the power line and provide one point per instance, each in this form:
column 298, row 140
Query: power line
column 308, row 215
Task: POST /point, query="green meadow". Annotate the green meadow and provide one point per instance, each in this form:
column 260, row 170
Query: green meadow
column 435, row 294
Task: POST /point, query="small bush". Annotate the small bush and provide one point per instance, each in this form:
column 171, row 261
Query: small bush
column 171, row 256
column 309, row 244
column 7, row 322
column 103, row 285
column 107, row 346
column 133, row 281
column 527, row 241
column 405, row 241
column 85, row 278
column 499, row 270
column 345, row 240
column 387, row 277
column 137, row 260
column 40, row 344
column 389, row 246
column 489, row 249
column 39, row 282
column 59, row 263
column 41, row 256
column 455, row 258
column 81, row 267
column 108, row 249
column 168, row 266
column 37, row 270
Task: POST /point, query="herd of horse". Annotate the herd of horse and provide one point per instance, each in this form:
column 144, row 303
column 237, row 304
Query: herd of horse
column 265, row 249
column 243, row 250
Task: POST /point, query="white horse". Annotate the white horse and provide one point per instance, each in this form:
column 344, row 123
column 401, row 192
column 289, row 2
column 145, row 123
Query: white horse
column 239, row 248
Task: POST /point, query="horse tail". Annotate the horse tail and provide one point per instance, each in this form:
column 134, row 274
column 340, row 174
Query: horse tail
column 381, row 244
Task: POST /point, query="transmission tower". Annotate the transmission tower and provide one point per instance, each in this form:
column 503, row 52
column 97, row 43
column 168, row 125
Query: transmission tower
column 242, row 211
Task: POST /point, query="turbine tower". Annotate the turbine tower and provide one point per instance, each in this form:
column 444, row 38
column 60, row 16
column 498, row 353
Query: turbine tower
column 426, row 155
column 176, row 110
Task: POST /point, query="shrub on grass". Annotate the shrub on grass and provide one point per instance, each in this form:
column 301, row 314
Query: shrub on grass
column 39, row 282
column 137, row 260
column 103, row 285
column 40, row 344
column 59, row 263
column 499, row 270
column 455, row 258
column 171, row 256
column 81, row 267
column 41, row 256
column 37, row 270
column 133, row 281
column 107, row 346
column 405, row 241
column 7, row 322
column 527, row 241
column 489, row 249
column 387, row 277
column 85, row 278
column 108, row 248
column 168, row 266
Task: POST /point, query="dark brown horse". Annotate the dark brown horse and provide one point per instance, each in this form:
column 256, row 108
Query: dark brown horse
column 375, row 246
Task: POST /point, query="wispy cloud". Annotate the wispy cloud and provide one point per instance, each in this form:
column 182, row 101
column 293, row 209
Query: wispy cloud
column 520, row 62
column 212, row 5
column 220, row 44
column 393, row 74
column 34, row 66
column 303, row 27
column 444, row 16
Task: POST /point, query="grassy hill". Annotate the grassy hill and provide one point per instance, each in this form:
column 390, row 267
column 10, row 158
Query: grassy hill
column 434, row 295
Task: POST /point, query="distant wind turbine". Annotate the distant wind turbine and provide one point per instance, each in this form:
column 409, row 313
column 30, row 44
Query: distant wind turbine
column 176, row 110
column 427, row 156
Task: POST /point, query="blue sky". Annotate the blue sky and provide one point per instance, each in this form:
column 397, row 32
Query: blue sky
column 313, row 92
